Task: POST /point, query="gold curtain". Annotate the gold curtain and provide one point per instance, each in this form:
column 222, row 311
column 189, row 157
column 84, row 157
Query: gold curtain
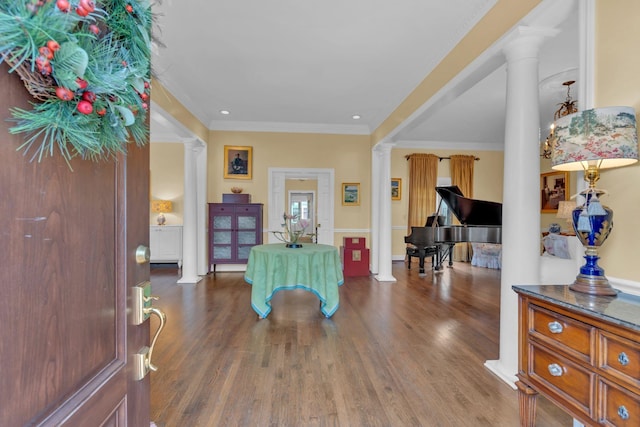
column 423, row 178
column 462, row 176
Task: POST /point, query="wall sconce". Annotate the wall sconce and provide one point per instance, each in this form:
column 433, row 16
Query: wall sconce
column 161, row 207
column 591, row 140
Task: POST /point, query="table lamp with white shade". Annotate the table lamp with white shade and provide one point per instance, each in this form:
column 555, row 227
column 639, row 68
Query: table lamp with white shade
column 565, row 211
column 591, row 140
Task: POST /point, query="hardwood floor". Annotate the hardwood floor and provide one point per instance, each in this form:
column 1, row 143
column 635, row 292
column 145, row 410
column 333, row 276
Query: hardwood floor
column 409, row 353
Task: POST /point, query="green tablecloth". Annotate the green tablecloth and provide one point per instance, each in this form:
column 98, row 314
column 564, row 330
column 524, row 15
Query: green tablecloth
column 315, row 268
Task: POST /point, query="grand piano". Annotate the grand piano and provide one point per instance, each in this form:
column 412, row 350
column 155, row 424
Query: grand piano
column 480, row 221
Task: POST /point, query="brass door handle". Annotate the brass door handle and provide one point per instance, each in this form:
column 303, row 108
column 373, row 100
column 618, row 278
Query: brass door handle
column 163, row 320
column 141, row 311
column 142, row 359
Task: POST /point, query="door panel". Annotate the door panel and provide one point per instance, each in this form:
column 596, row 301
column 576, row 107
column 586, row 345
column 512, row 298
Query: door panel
column 68, row 260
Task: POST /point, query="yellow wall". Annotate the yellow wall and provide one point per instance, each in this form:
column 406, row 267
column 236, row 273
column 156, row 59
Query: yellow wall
column 167, row 179
column 487, row 177
column 617, row 83
column 348, row 155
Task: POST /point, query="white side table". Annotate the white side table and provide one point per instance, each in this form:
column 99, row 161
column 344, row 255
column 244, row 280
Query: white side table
column 165, row 244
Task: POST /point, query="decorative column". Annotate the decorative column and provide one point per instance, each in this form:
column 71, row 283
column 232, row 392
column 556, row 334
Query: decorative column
column 190, row 220
column 384, row 213
column 375, row 210
column 521, row 188
column 201, row 210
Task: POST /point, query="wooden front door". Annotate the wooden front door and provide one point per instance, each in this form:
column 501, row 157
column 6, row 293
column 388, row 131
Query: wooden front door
column 68, row 248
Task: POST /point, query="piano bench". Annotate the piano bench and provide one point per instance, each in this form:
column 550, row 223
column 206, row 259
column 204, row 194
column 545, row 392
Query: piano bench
column 421, row 253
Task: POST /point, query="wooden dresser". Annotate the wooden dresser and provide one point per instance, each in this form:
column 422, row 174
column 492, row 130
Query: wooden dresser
column 581, row 352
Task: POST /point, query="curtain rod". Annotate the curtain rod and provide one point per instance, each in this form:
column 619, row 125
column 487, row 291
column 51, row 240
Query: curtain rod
column 440, row 158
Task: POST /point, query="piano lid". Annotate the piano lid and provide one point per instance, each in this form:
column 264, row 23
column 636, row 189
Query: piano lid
column 470, row 211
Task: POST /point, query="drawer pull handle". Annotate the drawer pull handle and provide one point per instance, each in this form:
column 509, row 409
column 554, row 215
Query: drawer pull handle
column 623, row 413
column 623, row 359
column 555, row 327
column 556, row 370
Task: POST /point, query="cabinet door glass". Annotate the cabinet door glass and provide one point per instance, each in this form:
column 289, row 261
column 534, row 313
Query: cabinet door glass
column 222, row 237
column 243, row 252
column 221, row 252
column 247, row 237
column 246, row 222
column 223, row 222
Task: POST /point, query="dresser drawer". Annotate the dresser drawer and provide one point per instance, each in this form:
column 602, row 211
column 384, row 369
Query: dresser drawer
column 620, row 358
column 619, row 407
column 568, row 334
column 565, row 379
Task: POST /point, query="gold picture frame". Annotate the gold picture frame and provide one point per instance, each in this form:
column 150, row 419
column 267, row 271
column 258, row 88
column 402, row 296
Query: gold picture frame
column 238, row 162
column 396, row 188
column 351, row 194
column 554, row 188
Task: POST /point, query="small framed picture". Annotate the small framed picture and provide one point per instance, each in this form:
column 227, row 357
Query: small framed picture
column 351, row 194
column 238, row 162
column 396, row 188
column 554, row 187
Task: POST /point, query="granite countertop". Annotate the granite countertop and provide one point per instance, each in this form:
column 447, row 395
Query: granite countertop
column 622, row 309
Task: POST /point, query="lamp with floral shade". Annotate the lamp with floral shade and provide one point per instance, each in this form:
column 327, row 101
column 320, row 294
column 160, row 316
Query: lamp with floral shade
column 592, row 140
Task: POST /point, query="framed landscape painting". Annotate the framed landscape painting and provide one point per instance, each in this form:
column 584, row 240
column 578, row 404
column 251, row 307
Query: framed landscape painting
column 350, row 194
column 238, row 162
column 396, row 188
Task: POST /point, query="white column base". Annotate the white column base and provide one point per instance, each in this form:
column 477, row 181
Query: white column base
column 498, row 370
column 189, row 280
column 383, row 278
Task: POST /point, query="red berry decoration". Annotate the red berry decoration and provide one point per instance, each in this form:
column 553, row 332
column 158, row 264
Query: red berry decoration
column 87, row 5
column 53, row 46
column 82, row 11
column 63, row 5
column 82, row 83
column 85, row 107
column 102, row 111
column 129, row 8
column 145, row 105
column 89, row 96
column 146, row 85
column 94, row 29
column 64, row 93
column 46, row 52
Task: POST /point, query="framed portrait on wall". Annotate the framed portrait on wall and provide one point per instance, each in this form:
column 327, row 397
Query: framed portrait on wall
column 396, row 188
column 554, row 188
column 351, row 194
column 238, row 162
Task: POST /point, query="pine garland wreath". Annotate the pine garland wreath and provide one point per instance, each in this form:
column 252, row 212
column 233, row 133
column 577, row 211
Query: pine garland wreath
column 87, row 64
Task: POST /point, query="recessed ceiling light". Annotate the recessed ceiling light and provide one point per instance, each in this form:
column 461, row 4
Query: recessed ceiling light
column 355, row 117
column 224, row 112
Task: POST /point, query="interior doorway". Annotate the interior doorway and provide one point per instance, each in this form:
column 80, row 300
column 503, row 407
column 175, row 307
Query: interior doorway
column 302, row 205
column 324, row 200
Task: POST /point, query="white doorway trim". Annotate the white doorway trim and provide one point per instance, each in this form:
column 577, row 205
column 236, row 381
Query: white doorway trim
column 324, row 203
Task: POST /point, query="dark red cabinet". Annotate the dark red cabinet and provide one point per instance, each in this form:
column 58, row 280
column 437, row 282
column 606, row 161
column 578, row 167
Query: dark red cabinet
column 234, row 228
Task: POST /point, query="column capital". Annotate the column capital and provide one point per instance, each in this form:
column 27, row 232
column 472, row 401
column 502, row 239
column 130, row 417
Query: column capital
column 524, row 41
column 194, row 144
column 383, row 148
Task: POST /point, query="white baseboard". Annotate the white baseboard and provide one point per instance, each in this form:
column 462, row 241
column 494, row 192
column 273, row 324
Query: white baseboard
column 624, row 285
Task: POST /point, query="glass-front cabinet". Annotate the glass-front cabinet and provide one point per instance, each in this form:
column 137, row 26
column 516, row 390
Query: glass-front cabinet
column 234, row 229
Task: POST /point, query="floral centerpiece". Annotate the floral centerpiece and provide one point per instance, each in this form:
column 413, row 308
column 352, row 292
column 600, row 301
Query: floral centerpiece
column 294, row 228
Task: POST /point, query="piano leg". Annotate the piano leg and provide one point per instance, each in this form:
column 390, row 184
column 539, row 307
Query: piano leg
column 421, row 264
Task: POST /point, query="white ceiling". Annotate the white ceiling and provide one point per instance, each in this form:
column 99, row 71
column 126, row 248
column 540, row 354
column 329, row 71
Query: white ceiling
column 297, row 65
